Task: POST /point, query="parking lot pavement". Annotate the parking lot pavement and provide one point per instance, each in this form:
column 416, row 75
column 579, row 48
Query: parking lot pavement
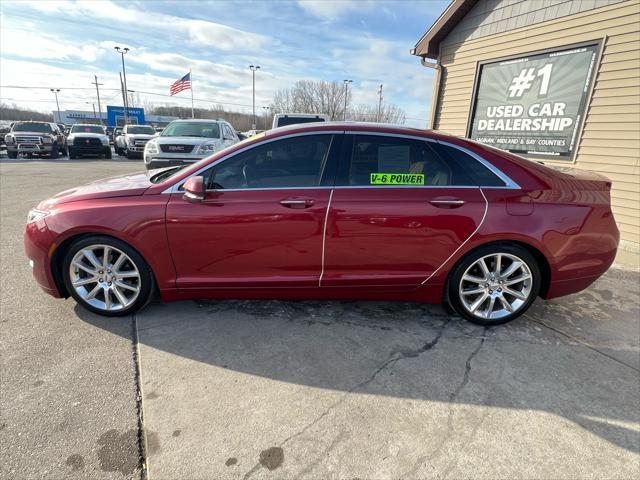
column 67, row 390
column 269, row 389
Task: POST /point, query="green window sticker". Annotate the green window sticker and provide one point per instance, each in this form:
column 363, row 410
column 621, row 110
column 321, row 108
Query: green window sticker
column 397, row 179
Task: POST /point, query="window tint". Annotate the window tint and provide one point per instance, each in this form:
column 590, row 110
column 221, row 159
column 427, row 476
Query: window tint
column 379, row 160
column 480, row 174
column 292, row 162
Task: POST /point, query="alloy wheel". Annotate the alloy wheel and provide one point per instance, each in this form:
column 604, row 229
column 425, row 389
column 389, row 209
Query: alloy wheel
column 105, row 277
column 495, row 286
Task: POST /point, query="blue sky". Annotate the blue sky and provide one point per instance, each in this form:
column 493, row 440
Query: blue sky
column 63, row 44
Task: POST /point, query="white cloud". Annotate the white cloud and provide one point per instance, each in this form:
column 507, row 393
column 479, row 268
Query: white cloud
column 333, row 9
column 212, row 34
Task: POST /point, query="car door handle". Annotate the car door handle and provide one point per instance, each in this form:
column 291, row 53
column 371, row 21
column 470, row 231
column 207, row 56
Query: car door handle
column 295, row 203
column 446, row 203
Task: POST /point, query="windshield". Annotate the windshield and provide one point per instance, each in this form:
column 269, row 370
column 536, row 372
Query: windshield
column 192, row 129
column 87, row 129
column 284, row 121
column 141, row 129
column 32, row 127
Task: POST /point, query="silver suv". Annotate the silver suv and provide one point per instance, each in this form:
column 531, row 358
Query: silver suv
column 187, row 141
column 35, row 138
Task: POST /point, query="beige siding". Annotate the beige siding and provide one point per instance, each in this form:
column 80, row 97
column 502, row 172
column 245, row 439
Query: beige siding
column 610, row 143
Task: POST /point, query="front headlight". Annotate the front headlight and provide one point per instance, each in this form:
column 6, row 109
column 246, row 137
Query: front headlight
column 8, row 138
column 34, row 215
column 70, row 139
column 105, row 141
column 151, row 148
column 207, row 148
column 47, row 140
column 129, row 141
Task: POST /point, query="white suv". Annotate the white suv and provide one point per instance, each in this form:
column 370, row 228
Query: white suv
column 188, row 141
column 132, row 140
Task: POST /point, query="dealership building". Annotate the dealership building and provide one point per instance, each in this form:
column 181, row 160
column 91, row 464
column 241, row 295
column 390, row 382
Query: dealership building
column 553, row 80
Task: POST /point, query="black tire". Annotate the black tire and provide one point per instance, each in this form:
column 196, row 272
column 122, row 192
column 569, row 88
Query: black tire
column 72, row 155
column 147, row 281
column 456, row 274
column 12, row 154
column 107, row 153
column 54, row 152
column 64, row 150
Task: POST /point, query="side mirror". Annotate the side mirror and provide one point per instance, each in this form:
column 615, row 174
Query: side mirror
column 194, row 189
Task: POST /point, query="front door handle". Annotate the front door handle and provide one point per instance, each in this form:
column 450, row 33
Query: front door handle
column 446, row 202
column 297, row 203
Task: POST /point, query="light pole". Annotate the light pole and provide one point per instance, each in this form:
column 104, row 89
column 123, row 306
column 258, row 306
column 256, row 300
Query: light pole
column 379, row 118
column 266, row 114
column 55, row 92
column 98, row 93
column 253, row 72
column 122, row 52
column 346, row 95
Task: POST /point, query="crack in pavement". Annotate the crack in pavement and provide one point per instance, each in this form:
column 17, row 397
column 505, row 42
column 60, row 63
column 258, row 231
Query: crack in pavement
column 452, row 397
column 394, row 357
column 581, row 342
column 142, row 460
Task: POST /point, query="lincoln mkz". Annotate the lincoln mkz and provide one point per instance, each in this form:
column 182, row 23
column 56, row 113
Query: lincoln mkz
column 331, row 211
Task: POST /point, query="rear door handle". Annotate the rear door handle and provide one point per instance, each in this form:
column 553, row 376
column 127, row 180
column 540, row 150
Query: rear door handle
column 297, row 203
column 446, row 203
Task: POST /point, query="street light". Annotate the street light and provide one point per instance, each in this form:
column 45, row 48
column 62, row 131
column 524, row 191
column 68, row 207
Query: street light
column 346, row 95
column 122, row 52
column 266, row 113
column 55, row 92
column 253, row 72
column 95, row 117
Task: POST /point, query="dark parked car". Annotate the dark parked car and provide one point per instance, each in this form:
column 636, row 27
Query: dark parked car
column 35, row 138
column 333, row 210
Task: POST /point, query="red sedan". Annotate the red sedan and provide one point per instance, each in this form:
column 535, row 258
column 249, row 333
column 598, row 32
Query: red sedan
column 331, row 211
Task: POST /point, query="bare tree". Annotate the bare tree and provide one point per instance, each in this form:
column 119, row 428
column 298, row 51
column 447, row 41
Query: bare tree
column 306, row 96
column 13, row 112
column 389, row 113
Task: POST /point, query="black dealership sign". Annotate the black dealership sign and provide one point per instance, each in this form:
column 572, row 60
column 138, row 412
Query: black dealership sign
column 534, row 105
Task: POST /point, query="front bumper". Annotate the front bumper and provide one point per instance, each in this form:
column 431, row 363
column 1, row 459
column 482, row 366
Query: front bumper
column 39, row 247
column 29, row 148
column 88, row 149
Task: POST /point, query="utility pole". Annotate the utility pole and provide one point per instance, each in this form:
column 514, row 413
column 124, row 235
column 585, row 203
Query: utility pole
column 122, row 52
column 98, row 93
column 379, row 117
column 346, row 96
column 253, row 71
column 55, row 92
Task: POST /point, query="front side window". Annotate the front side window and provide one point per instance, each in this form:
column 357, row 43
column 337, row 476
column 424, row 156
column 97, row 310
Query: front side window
column 389, row 161
column 288, row 163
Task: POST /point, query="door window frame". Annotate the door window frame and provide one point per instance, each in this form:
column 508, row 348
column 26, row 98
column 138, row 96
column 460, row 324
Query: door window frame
column 327, row 178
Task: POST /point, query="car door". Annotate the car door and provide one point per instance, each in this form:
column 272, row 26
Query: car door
column 262, row 220
column 398, row 211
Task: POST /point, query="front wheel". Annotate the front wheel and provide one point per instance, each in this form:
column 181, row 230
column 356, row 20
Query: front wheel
column 494, row 284
column 107, row 276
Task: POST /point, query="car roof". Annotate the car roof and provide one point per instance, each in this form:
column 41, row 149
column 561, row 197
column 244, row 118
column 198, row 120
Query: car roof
column 189, row 120
column 354, row 127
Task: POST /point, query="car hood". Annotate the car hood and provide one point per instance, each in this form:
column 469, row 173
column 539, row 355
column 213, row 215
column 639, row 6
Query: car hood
column 87, row 135
column 31, row 134
column 123, row 186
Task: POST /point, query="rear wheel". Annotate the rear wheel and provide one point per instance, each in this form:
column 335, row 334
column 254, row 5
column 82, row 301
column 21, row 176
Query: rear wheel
column 107, row 276
column 494, row 284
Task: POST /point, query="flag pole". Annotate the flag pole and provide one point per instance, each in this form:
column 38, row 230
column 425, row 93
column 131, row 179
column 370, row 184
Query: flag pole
column 191, row 80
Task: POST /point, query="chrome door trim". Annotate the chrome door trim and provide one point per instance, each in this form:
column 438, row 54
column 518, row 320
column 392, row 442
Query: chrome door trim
column 324, row 238
column 484, row 216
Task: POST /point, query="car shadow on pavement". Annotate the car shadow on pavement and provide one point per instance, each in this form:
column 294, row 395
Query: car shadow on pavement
column 575, row 358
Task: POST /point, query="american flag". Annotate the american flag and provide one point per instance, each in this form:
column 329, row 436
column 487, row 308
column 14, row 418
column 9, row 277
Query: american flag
column 179, row 85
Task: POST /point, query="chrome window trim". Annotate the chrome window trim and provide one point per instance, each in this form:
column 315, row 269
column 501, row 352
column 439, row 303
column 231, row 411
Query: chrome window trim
column 509, row 183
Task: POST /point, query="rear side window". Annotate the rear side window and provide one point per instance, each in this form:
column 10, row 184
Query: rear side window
column 371, row 160
column 288, row 163
column 480, row 174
